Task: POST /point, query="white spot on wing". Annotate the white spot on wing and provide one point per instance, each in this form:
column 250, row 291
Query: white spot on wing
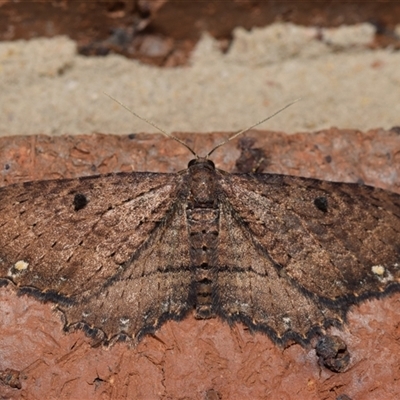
column 378, row 270
column 19, row 267
column 382, row 273
column 287, row 322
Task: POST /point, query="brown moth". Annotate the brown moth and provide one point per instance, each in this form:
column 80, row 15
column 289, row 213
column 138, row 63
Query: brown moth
column 119, row 254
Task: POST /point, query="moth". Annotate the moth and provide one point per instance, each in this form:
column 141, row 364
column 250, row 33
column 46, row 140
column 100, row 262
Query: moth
column 119, row 254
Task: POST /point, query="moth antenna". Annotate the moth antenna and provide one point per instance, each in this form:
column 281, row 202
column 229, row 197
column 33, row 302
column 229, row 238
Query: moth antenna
column 250, row 127
column 168, row 135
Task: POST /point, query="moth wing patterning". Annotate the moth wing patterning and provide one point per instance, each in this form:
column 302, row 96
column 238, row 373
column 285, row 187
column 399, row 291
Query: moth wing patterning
column 114, row 251
column 97, row 246
column 295, row 253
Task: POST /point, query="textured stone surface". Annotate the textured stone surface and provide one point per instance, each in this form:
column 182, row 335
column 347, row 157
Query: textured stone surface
column 192, row 358
column 45, row 87
column 371, row 157
column 148, row 30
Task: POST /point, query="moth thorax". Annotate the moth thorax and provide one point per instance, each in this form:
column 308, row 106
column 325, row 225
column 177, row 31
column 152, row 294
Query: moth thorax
column 202, row 186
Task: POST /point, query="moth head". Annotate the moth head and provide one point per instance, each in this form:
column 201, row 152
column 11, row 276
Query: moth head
column 204, row 162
